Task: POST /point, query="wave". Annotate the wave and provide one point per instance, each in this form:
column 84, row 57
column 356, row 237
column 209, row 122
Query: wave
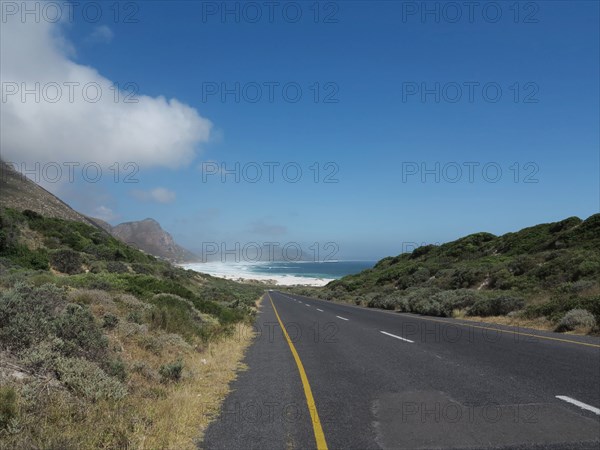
column 243, row 271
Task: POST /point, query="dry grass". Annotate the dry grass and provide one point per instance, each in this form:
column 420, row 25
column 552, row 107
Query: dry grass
column 156, row 414
column 540, row 323
column 179, row 419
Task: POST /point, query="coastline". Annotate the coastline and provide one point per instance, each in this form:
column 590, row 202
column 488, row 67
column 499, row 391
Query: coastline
column 243, row 273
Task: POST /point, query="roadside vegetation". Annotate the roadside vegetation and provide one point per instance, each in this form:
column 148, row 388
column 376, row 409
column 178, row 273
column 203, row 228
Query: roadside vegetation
column 545, row 276
column 104, row 346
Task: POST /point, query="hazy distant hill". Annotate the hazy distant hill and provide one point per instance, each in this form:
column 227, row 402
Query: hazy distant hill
column 20, row 193
column 149, row 236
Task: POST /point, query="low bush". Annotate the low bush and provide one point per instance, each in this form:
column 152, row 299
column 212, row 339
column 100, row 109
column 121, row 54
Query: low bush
column 172, row 371
column 389, row 302
column 576, row 318
column 143, row 269
column 30, row 259
column 87, row 379
column 97, row 266
column 458, row 299
column 135, row 317
column 116, row 267
column 42, row 358
column 150, row 343
column 174, row 314
column 80, row 332
column 115, row 367
column 430, row 307
column 109, row 321
column 26, row 314
column 401, row 304
column 495, row 306
column 66, row 261
column 556, row 307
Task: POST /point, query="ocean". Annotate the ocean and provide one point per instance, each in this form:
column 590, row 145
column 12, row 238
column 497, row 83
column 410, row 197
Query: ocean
column 285, row 273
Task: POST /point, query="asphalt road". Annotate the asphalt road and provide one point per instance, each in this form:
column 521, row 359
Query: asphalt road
column 368, row 379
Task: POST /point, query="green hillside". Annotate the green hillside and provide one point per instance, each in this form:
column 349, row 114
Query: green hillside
column 92, row 330
column 542, row 271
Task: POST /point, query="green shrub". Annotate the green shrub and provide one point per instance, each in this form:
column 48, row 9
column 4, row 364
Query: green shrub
column 66, row 261
column 582, row 286
column 556, row 307
column 458, row 299
column 32, row 259
column 116, row 267
column 576, row 318
column 135, row 317
column 27, row 312
column 97, row 266
column 147, row 286
column 401, row 304
column 421, row 275
column 174, row 314
column 172, row 371
column 465, row 277
column 109, row 321
column 20, row 255
column 496, row 306
column 588, row 268
column 115, row 367
column 430, row 307
column 80, row 333
column 151, row 343
column 143, row 269
column 8, row 406
column 421, row 251
column 41, row 278
column 502, row 279
column 42, row 357
column 87, row 379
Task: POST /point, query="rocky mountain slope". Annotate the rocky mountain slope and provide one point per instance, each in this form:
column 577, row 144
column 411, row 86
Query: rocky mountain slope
column 149, row 236
column 20, row 193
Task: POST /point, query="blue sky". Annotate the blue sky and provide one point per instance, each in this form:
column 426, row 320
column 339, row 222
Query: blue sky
column 546, row 143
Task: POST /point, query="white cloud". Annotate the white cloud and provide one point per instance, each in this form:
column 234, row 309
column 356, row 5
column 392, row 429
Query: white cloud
column 155, row 131
column 101, row 34
column 104, row 213
column 158, row 195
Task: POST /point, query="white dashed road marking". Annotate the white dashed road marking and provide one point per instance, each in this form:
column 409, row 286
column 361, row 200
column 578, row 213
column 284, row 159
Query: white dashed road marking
column 580, row 404
column 397, row 337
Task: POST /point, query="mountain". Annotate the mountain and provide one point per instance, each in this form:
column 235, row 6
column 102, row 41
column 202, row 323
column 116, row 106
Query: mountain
column 149, row 236
column 543, row 271
column 20, row 193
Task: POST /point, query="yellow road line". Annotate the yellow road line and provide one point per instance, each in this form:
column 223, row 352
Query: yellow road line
column 310, row 401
